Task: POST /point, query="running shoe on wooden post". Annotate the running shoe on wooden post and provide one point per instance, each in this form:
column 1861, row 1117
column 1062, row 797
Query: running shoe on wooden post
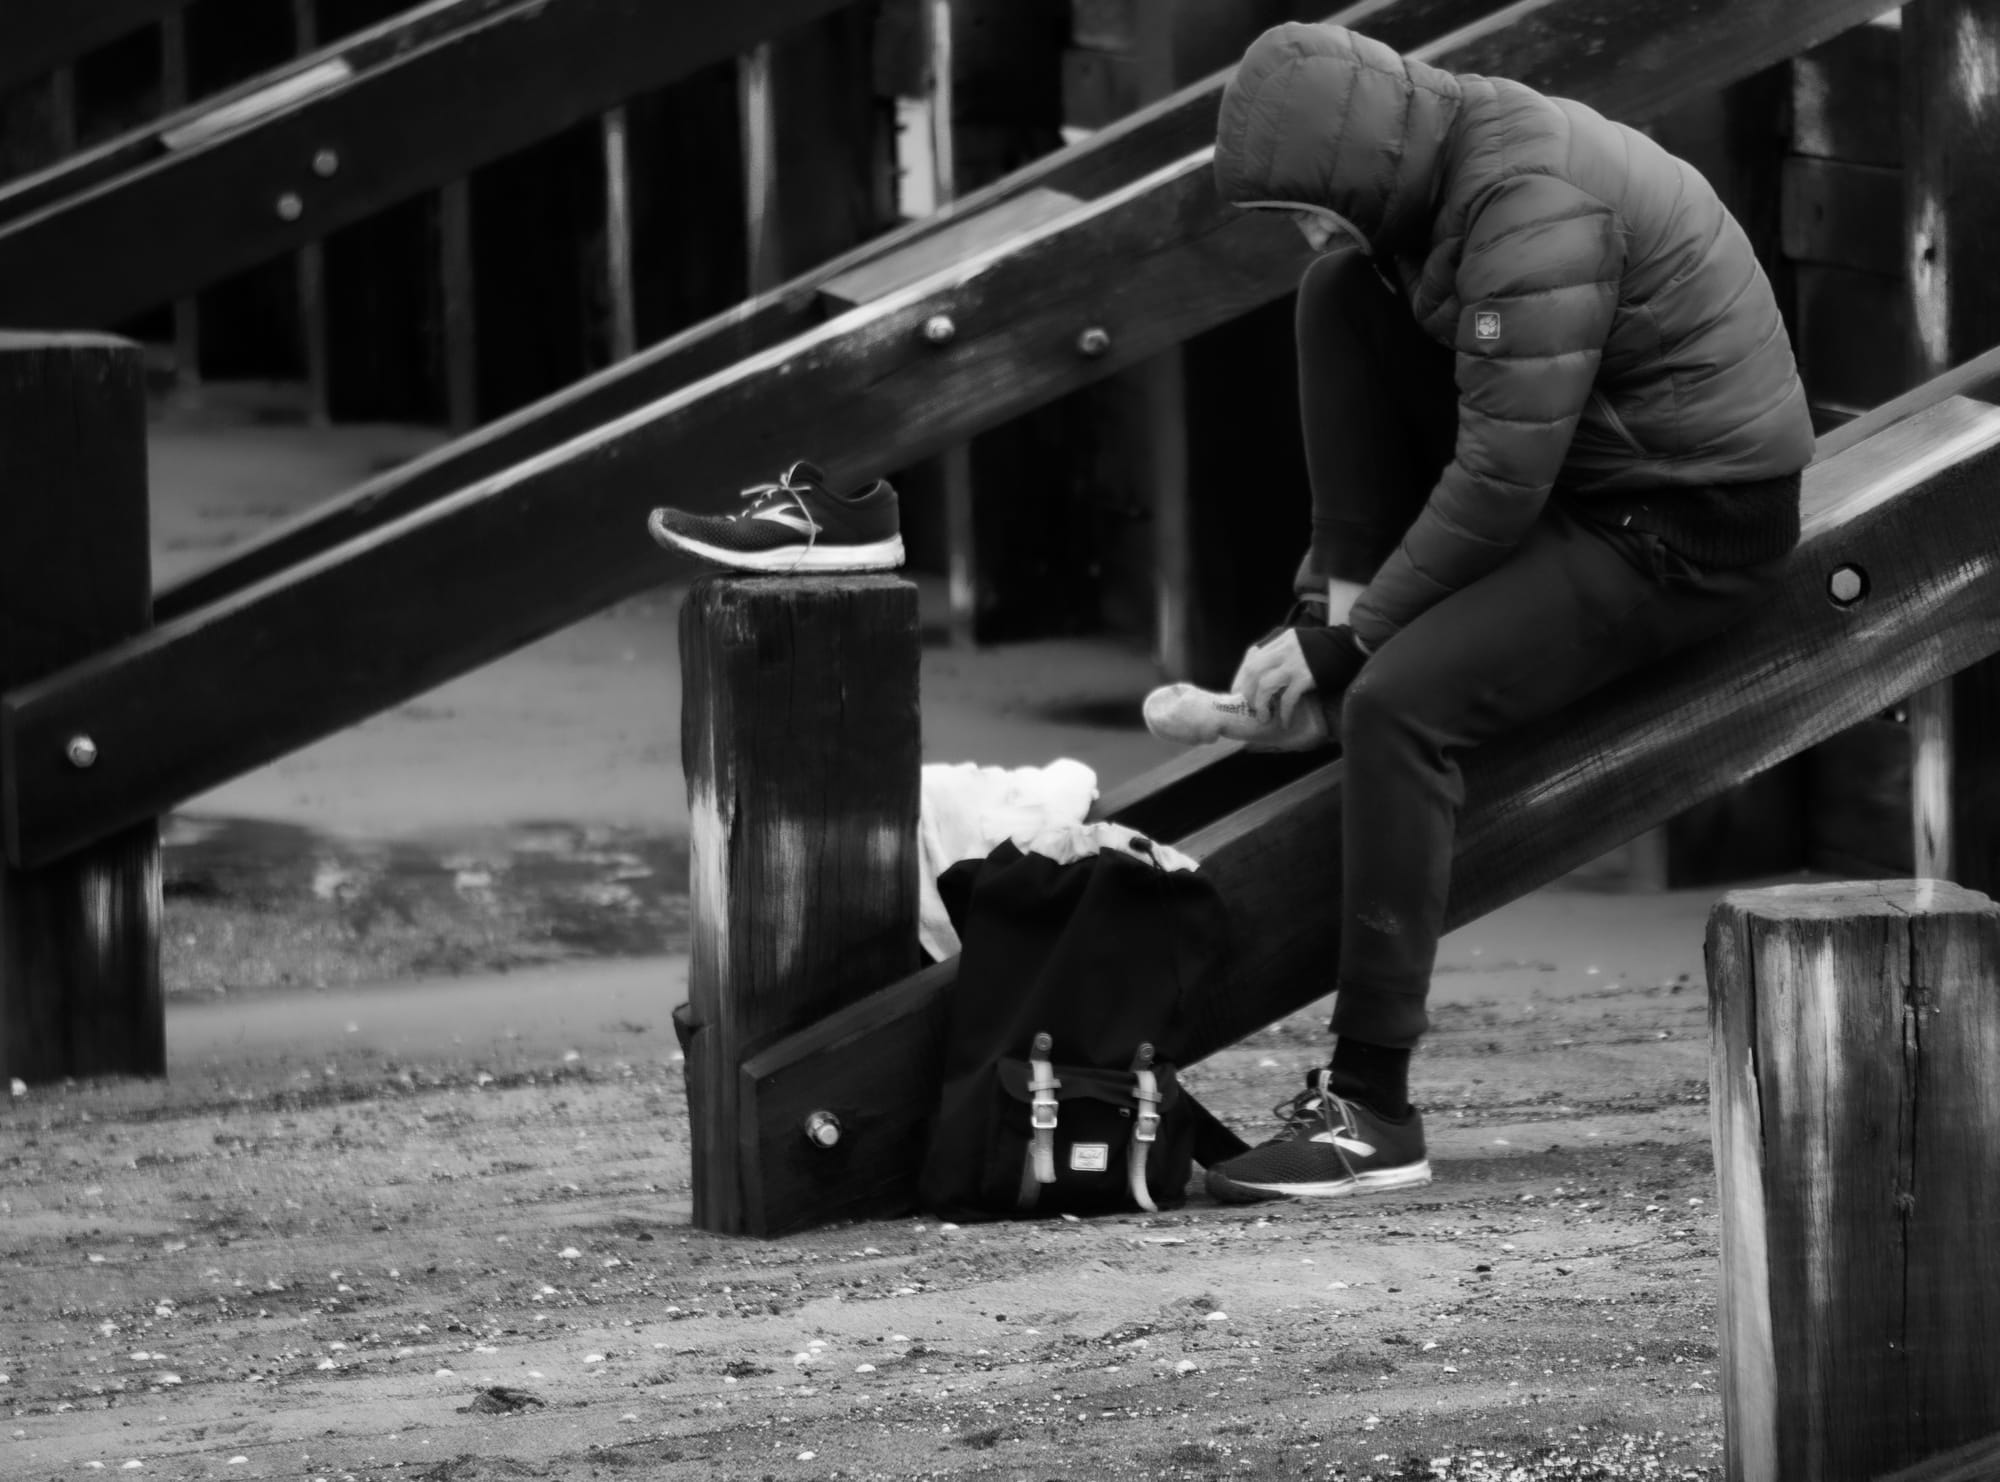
column 795, row 524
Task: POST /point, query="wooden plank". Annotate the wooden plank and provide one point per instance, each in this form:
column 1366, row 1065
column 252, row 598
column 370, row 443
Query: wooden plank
column 1108, row 162
column 620, row 293
column 407, row 606
column 507, row 73
column 763, row 220
column 1100, row 87
column 1845, row 214
column 37, row 36
column 1951, row 223
column 1978, row 1462
column 174, row 96
column 311, row 269
column 1914, row 506
column 79, row 940
column 1847, row 98
column 800, row 739
column 1978, row 379
column 1853, row 1032
column 1851, row 328
column 460, row 318
column 958, row 237
column 1858, row 816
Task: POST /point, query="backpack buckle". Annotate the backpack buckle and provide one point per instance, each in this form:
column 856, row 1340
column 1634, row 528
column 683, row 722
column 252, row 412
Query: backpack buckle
column 1146, row 1127
column 1042, row 1083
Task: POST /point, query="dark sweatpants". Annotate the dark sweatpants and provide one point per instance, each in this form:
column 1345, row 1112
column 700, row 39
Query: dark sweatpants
column 1576, row 604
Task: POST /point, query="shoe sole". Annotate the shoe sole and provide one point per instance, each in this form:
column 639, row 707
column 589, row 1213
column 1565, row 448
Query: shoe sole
column 880, row 555
column 1409, row 1176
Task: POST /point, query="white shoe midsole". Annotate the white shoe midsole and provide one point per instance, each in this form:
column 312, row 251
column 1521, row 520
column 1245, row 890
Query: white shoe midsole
column 879, row 555
column 1409, row 1176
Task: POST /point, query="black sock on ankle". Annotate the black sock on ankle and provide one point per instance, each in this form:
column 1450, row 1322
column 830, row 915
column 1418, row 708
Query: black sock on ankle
column 1375, row 1076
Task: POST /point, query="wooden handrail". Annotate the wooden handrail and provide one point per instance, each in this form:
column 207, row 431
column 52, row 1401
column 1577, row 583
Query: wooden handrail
column 223, row 688
column 350, row 130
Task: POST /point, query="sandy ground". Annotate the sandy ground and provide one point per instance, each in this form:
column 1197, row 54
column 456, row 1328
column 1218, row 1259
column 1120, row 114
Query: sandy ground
column 396, row 1215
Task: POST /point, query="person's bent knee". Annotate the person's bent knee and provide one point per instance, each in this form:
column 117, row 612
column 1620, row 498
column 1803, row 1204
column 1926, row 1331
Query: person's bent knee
column 1374, row 704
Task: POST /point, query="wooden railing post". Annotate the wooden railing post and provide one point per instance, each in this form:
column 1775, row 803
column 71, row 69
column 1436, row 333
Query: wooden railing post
column 79, row 938
column 800, row 741
column 1950, row 215
column 1855, row 1088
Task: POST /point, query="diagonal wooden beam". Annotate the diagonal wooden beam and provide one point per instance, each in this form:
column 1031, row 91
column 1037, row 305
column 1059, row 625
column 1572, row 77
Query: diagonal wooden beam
column 37, row 36
column 226, row 687
column 1110, row 160
column 1916, row 508
column 343, row 133
column 1632, row 61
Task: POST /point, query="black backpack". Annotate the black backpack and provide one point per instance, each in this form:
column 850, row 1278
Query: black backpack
column 1061, row 1092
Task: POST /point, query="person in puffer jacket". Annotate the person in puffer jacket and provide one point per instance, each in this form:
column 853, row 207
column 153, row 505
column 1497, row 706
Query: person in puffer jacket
column 1554, row 431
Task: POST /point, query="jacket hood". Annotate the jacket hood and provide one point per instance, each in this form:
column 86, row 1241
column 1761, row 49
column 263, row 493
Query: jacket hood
column 1319, row 116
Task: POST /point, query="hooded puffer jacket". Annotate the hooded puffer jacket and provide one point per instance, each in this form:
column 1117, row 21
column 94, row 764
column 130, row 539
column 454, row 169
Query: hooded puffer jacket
column 1612, row 327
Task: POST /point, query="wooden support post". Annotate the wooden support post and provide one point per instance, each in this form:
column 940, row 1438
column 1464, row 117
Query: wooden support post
column 1856, row 1121
column 800, row 741
column 1950, row 52
column 79, row 938
column 311, row 266
column 173, row 98
column 763, row 223
column 955, row 465
column 624, row 315
column 461, row 325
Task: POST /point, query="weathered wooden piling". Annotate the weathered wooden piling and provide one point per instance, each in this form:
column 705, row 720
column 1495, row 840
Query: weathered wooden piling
column 79, row 938
column 800, row 739
column 1856, row 1032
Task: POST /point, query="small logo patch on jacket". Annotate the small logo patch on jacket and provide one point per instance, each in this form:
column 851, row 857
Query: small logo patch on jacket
column 1486, row 326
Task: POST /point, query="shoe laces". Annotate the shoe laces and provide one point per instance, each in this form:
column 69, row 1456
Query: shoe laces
column 760, row 497
column 1310, row 1110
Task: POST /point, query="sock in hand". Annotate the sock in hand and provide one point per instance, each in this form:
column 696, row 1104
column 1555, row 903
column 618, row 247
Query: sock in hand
column 1375, row 1076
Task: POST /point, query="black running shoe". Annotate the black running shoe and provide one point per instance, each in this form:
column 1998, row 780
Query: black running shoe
column 1330, row 1148
column 796, row 524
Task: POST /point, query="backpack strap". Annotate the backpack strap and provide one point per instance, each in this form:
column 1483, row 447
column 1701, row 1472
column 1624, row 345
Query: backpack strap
column 1213, row 1142
column 1145, row 1126
column 1042, row 1084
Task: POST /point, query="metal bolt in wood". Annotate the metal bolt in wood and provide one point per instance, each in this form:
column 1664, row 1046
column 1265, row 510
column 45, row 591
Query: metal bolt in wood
column 290, row 206
column 823, row 1129
column 939, row 330
column 82, row 751
column 1847, row 586
column 1094, row 341
column 326, row 164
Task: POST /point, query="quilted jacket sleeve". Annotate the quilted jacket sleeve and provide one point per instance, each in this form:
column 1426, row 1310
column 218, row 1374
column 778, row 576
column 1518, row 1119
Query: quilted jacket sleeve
column 1537, row 284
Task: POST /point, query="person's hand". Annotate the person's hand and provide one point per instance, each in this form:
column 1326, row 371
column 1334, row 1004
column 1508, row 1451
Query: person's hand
column 1274, row 677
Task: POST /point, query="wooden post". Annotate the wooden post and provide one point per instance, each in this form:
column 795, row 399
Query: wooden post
column 624, row 326
column 800, row 741
column 311, row 265
column 174, row 97
column 763, row 222
column 1856, row 1109
column 461, row 326
column 79, row 938
column 1950, row 56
